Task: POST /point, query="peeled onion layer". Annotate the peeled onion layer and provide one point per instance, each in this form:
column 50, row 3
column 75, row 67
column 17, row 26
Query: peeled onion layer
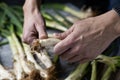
column 40, row 49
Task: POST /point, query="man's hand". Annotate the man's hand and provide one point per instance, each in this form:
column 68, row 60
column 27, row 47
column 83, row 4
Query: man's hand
column 34, row 26
column 88, row 38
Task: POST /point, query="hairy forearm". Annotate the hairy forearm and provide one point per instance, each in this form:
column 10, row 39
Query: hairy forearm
column 32, row 5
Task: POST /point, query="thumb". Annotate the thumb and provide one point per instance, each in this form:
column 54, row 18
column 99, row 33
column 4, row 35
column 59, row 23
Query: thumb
column 64, row 34
column 42, row 34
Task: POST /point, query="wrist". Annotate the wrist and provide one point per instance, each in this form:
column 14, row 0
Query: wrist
column 117, row 25
column 111, row 23
column 31, row 6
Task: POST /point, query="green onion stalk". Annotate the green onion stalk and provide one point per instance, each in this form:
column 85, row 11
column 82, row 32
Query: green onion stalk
column 58, row 19
column 78, row 73
column 13, row 18
column 79, row 14
column 22, row 68
column 53, row 22
column 54, row 25
column 63, row 18
column 94, row 72
column 17, row 68
column 111, row 62
column 16, row 18
column 27, row 66
column 107, row 74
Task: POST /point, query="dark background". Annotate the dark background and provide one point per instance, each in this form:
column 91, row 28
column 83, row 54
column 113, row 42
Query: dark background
column 96, row 5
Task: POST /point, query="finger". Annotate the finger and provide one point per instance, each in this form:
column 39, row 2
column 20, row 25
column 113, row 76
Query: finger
column 75, row 58
column 70, row 53
column 64, row 45
column 84, row 61
column 40, row 27
column 79, row 60
column 66, row 55
column 41, row 31
column 64, row 34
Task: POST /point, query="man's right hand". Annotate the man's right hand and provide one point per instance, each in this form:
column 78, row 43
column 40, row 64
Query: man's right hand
column 34, row 26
